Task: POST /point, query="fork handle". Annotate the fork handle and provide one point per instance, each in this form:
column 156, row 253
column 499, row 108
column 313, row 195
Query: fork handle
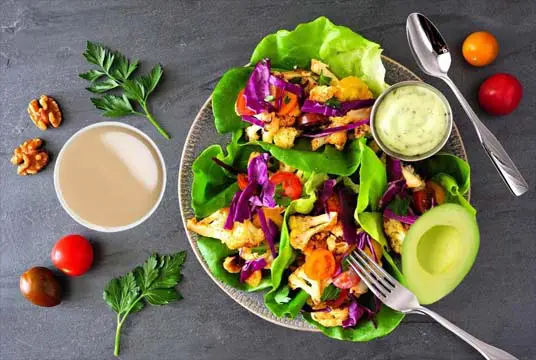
column 489, row 352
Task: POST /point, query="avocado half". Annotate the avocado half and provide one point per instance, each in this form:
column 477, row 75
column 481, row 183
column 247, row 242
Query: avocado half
column 439, row 250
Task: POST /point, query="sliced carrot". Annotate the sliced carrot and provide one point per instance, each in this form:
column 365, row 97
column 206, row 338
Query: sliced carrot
column 439, row 192
column 288, row 103
column 242, row 180
column 240, row 105
column 319, row 265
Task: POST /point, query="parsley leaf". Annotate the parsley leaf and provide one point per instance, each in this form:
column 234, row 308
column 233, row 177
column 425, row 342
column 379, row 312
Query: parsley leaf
column 324, row 80
column 330, row 293
column 114, row 71
column 280, row 198
column 286, row 100
column 154, row 282
column 400, row 205
column 334, row 103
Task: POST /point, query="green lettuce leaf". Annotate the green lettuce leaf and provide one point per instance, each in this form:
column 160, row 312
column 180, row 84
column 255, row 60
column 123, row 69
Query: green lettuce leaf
column 448, row 164
column 326, row 160
column 346, row 52
column 214, row 252
column 453, row 191
column 373, row 180
column 224, row 98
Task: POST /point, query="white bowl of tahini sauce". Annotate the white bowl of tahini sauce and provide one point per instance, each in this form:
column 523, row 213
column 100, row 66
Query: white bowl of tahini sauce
column 411, row 121
column 110, row 177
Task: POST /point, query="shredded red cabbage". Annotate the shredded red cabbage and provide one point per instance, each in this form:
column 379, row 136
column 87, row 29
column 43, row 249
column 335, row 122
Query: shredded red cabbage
column 356, row 312
column 347, row 202
column 406, row 219
column 332, row 130
column 328, row 189
column 250, row 267
column 310, row 106
column 394, row 168
column 290, row 87
column 258, row 193
column 253, row 120
column 258, row 88
column 394, row 188
column 270, row 230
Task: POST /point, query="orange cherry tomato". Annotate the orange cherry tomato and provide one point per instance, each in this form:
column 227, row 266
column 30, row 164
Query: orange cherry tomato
column 240, row 105
column 292, row 186
column 319, row 264
column 480, row 48
column 242, row 180
column 437, row 191
column 288, row 103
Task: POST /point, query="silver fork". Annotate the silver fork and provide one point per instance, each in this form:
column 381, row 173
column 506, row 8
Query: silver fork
column 397, row 297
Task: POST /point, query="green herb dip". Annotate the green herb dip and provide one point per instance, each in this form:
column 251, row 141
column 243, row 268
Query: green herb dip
column 411, row 120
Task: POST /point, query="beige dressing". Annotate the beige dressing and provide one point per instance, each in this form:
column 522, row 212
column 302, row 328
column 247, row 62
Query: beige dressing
column 110, row 176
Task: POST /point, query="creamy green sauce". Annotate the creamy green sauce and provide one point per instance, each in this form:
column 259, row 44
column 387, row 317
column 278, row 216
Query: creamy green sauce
column 411, row 120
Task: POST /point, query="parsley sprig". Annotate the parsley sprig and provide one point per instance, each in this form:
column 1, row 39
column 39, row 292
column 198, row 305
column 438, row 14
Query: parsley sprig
column 114, row 71
column 154, row 282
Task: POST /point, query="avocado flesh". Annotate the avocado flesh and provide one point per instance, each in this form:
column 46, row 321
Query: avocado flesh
column 439, row 250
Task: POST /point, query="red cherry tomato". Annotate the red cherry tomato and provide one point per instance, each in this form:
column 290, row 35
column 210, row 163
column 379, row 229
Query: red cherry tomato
column 422, row 201
column 346, row 280
column 500, row 94
column 343, row 296
column 72, row 254
column 292, row 185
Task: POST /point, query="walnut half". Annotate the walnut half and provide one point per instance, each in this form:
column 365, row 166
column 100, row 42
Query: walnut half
column 45, row 113
column 30, row 157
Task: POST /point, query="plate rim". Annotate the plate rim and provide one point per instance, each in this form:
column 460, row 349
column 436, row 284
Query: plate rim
column 181, row 175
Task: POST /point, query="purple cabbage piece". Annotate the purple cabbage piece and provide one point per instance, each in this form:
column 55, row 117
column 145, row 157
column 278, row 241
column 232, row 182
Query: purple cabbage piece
column 290, row 87
column 270, row 230
column 253, row 120
column 328, row 189
column 250, row 267
column 332, row 130
column 258, row 88
column 356, row 312
column 394, row 188
column 310, row 106
column 229, row 222
column 394, row 169
column 406, row 219
column 347, row 202
column 242, row 210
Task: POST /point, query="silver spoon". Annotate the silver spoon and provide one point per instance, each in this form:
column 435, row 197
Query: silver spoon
column 433, row 57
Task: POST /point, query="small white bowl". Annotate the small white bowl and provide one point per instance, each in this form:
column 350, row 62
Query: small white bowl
column 96, row 227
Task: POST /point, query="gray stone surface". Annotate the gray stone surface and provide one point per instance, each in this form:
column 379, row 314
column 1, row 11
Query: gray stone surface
column 196, row 41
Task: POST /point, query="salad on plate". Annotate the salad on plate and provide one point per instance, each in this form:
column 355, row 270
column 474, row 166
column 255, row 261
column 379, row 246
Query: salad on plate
column 302, row 183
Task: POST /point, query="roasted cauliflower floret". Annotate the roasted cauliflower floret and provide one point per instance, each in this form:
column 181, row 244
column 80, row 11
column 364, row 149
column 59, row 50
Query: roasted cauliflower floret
column 231, row 264
column 252, row 133
column 302, row 227
column 339, row 139
column 359, row 289
column 352, row 88
column 335, row 241
column 320, row 68
column 254, row 279
column 315, row 288
column 413, row 180
column 242, row 235
column 332, row 318
column 322, row 93
column 248, row 254
column 285, row 137
column 396, row 232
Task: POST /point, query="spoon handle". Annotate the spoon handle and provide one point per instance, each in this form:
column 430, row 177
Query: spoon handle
column 504, row 164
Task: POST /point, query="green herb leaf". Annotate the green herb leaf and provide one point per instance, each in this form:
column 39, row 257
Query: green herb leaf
column 153, row 282
column 281, row 295
column 92, row 75
column 400, row 206
column 113, row 106
column 117, row 70
column 280, row 198
column 286, row 100
column 330, row 293
column 334, row 103
column 269, row 98
column 324, row 80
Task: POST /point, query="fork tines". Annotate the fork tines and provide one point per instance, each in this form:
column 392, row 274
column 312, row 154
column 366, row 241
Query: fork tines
column 376, row 278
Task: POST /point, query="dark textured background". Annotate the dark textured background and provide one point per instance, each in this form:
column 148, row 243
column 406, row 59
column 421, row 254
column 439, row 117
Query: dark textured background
column 196, row 41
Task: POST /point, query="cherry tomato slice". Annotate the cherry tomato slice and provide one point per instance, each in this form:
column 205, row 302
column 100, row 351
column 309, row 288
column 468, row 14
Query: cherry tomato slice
column 72, row 254
column 346, row 280
column 343, row 296
column 422, row 201
column 319, row 264
column 292, row 186
column 242, row 180
column 240, row 105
